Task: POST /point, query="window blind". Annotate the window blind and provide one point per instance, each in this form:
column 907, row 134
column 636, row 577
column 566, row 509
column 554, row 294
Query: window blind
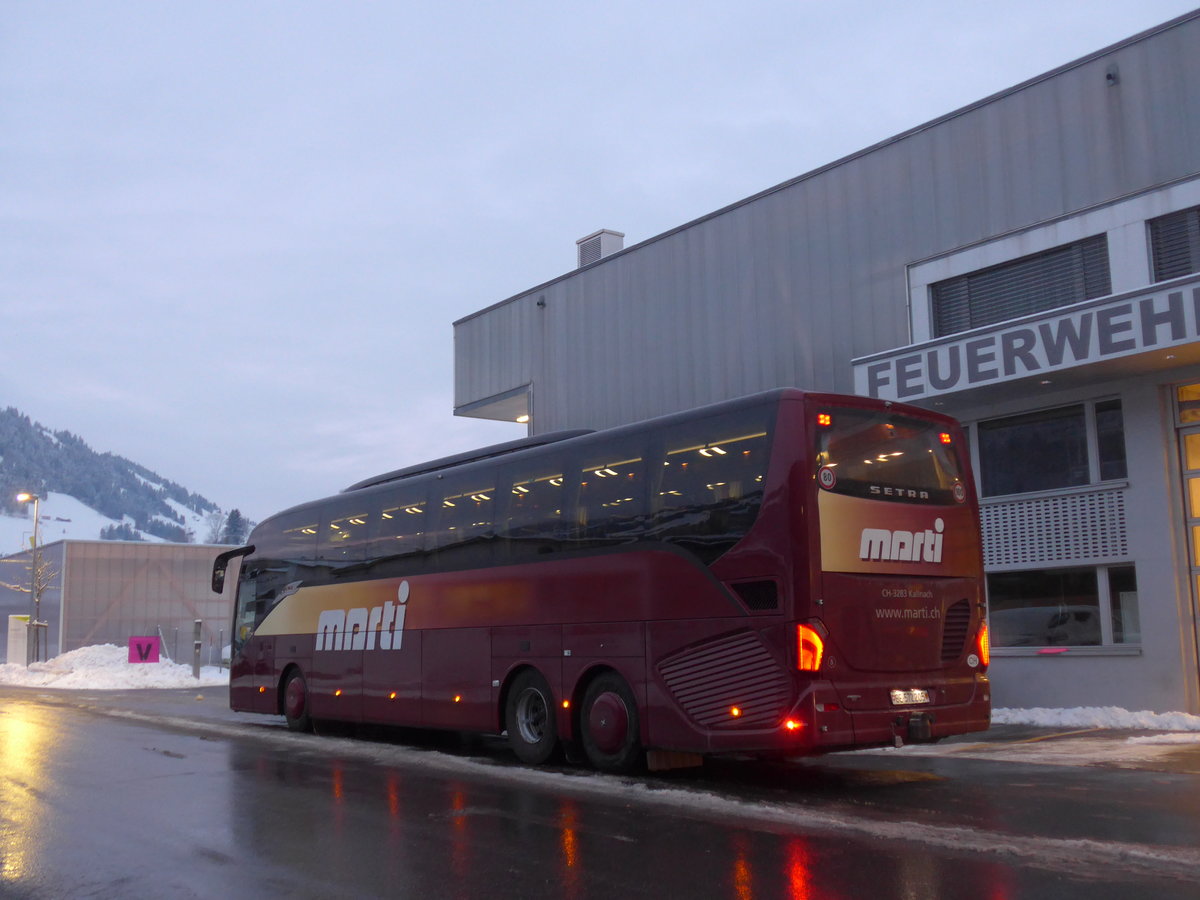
column 1031, row 284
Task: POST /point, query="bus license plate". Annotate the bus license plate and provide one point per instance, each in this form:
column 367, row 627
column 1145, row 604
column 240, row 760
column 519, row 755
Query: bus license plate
column 905, row 698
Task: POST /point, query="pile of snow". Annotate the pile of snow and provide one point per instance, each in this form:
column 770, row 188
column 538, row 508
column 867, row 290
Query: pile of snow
column 1097, row 717
column 106, row 667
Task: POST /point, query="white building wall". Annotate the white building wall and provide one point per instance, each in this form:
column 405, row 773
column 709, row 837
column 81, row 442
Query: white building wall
column 1162, row 672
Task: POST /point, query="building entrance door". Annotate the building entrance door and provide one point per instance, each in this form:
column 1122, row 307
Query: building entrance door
column 1189, row 463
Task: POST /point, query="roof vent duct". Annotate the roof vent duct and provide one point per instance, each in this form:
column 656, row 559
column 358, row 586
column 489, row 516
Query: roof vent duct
column 598, row 245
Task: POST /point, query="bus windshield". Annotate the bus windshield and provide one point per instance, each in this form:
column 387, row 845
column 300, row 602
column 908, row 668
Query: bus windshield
column 884, row 456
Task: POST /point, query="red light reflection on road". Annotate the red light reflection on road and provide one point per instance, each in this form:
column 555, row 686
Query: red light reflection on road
column 339, row 783
column 568, row 814
column 799, row 870
column 743, row 875
column 460, row 855
column 393, row 795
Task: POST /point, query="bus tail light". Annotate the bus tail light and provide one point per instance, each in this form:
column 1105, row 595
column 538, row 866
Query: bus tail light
column 983, row 645
column 810, row 648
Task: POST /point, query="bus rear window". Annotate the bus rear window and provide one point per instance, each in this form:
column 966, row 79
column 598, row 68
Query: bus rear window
column 885, row 456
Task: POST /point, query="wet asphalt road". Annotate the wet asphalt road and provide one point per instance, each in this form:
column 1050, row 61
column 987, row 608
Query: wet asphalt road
column 161, row 794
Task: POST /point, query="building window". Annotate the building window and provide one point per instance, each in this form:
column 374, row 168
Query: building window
column 1079, row 607
column 1068, row 446
column 1175, row 244
column 1059, row 277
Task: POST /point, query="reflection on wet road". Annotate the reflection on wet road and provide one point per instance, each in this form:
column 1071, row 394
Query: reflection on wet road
column 103, row 807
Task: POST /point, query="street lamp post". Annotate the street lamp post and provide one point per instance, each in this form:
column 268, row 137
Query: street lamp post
column 35, row 577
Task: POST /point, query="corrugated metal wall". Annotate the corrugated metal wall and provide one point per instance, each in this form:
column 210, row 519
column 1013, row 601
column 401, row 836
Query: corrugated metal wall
column 787, row 287
column 115, row 590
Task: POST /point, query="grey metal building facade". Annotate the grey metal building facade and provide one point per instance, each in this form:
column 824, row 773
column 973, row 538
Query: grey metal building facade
column 105, row 592
column 1030, row 264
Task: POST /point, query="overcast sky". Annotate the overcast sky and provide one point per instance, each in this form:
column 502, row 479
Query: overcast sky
column 234, row 236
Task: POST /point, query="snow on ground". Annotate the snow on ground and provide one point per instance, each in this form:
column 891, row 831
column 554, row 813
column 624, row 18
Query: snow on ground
column 1097, row 717
column 193, row 521
column 106, row 667
column 63, row 518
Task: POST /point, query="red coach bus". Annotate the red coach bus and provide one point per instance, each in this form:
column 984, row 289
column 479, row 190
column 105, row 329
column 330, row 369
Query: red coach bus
column 787, row 573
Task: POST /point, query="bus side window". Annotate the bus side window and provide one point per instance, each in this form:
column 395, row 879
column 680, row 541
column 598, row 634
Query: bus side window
column 711, row 483
column 342, row 536
column 532, row 517
column 466, row 508
column 613, row 500
column 299, row 539
column 402, row 527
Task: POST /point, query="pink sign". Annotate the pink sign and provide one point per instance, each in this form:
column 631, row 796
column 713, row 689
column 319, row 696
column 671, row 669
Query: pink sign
column 143, row 649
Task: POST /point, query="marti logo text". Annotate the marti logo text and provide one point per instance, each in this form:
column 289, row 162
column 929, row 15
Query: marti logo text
column 902, row 546
column 363, row 629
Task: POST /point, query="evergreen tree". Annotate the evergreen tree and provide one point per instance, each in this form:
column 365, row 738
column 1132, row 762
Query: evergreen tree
column 236, row 527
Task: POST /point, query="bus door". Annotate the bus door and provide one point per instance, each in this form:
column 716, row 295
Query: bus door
column 252, row 669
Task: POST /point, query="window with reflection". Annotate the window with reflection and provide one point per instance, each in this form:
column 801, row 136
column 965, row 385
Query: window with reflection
column 466, row 508
column 886, row 456
column 534, row 507
column 612, row 490
column 1068, row 607
column 401, row 526
column 1049, row 449
column 343, row 535
column 710, row 484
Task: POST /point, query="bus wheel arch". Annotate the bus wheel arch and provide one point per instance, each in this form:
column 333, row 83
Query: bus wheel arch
column 609, row 724
column 294, row 700
column 530, row 717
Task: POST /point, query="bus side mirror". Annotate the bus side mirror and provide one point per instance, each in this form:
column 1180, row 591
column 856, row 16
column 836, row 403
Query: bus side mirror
column 221, row 565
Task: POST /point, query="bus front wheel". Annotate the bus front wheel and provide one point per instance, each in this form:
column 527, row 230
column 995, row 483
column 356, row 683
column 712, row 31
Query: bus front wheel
column 295, row 703
column 609, row 723
column 529, row 718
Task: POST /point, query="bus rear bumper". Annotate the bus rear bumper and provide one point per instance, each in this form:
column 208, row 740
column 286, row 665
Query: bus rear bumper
column 818, row 723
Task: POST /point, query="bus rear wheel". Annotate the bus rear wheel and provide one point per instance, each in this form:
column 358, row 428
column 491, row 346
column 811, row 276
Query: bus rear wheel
column 529, row 718
column 295, row 702
column 609, row 725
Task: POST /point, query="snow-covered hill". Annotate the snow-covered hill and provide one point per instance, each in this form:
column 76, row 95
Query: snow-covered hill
column 65, row 517
column 86, row 491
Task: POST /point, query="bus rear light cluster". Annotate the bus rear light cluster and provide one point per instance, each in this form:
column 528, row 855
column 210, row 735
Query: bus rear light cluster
column 810, row 648
column 983, row 645
column 793, row 724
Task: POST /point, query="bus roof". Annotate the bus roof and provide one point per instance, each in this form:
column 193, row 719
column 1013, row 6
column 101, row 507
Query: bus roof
column 458, row 459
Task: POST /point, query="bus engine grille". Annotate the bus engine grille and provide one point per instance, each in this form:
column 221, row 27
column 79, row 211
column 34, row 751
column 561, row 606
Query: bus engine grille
column 954, row 630
column 737, row 672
